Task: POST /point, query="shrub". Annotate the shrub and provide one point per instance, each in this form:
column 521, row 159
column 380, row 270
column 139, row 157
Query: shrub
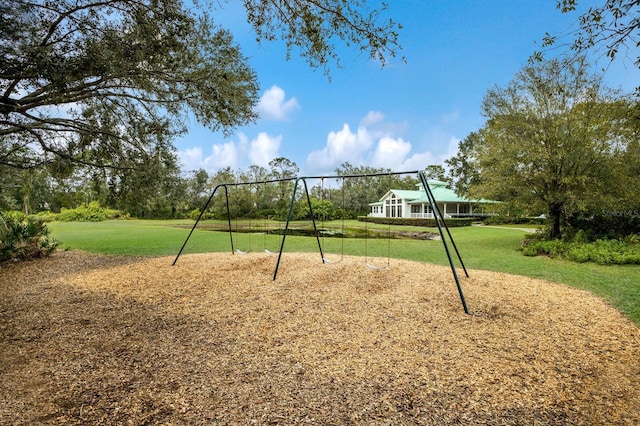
column 24, row 238
column 602, row 252
column 91, row 213
column 551, row 248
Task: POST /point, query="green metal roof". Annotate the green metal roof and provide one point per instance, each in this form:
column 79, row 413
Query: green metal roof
column 441, row 193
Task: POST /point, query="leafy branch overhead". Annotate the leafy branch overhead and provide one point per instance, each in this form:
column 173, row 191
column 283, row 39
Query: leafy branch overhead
column 102, row 83
column 313, row 26
column 614, row 27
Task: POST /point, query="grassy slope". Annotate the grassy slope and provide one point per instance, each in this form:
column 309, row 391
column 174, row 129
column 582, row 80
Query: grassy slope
column 481, row 248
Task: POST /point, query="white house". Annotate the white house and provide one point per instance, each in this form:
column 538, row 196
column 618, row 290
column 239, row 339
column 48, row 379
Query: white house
column 415, row 204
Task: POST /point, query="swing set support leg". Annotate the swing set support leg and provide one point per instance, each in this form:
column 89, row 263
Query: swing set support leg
column 206, row 204
column 453, row 243
column 438, row 218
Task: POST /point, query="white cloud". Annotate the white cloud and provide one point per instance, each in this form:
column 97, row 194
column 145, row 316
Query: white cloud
column 379, row 144
column 419, row 161
column 190, row 159
column 453, row 146
column 235, row 154
column 272, row 105
column 372, row 118
column 264, row 149
column 390, row 153
column 341, row 146
column 376, row 125
column 222, row 155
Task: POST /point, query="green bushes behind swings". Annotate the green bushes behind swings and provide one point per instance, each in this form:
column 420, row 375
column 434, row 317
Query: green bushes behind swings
column 23, row 238
column 93, row 212
column 602, row 252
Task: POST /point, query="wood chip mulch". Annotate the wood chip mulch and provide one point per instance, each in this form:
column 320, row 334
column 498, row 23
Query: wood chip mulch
column 91, row 339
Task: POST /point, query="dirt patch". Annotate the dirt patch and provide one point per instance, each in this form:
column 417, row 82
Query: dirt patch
column 213, row 340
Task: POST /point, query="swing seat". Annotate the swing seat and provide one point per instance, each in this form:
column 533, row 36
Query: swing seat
column 368, row 265
column 240, row 251
column 271, row 252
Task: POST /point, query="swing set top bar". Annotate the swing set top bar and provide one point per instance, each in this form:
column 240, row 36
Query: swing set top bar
column 362, row 175
column 365, row 175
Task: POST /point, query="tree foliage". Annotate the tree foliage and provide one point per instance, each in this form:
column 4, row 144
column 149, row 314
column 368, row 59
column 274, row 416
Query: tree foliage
column 95, row 82
column 463, row 165
column 613, row 26
column 553, row 144
column 313, row 26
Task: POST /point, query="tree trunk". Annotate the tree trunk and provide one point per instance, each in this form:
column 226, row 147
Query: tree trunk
column 555, row 215
column 25, row 204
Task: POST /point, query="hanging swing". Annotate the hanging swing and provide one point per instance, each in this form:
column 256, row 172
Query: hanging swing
column 265, row 226
column 266, row 233
column 386, row 209
column 324, row 229
column 237, row 204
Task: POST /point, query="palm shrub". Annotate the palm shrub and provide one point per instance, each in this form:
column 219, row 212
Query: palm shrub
column 23, row 238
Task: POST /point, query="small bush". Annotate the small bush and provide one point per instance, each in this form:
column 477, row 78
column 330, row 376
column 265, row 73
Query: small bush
column 551, row 248
column 23, row 238
column 602, row 252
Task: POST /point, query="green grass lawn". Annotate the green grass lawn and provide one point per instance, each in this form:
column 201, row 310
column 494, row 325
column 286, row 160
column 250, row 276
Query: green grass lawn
column 487, row 248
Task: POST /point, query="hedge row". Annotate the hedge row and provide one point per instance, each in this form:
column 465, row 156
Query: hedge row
column 427, row 223
column 510, row 220
column 91, row 213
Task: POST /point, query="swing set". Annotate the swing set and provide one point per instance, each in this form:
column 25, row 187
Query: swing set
column 302, row 182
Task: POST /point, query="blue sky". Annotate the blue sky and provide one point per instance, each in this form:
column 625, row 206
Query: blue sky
column 404, row 116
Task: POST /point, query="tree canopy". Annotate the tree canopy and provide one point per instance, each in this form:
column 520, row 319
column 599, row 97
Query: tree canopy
column 97, row 82
column 553, row 144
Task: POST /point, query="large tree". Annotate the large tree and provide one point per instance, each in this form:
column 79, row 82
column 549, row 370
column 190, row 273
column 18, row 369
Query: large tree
column 550, row 143
column 93, row 81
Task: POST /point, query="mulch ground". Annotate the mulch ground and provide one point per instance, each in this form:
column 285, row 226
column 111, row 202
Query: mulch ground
column 90, row 339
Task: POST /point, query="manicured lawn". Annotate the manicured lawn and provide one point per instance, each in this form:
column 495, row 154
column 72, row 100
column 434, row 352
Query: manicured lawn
column 480, row 247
